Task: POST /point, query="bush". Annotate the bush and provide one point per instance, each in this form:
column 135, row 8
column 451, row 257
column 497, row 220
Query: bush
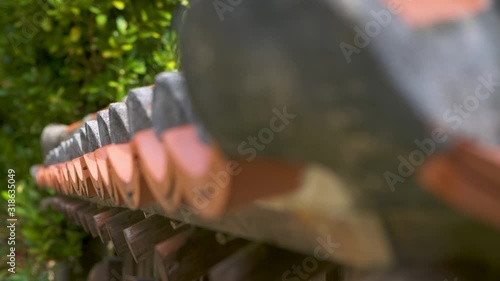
column 61, row 60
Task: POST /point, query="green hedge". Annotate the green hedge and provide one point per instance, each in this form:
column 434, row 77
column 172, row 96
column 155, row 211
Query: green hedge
column 62, row 59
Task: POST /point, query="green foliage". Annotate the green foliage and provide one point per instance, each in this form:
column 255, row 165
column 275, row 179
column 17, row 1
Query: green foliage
column 60, row 60
column 46, row 234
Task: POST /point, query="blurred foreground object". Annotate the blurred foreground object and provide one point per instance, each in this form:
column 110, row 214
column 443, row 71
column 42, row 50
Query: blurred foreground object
column 403, row 124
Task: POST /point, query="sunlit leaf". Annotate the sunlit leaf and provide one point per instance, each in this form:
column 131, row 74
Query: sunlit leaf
column 101, row 19
column 95, row 10
column 121, row 24
column 127, row 47
column 5, row 195
column 139, row 68
column 113, row 84
column 120, row 5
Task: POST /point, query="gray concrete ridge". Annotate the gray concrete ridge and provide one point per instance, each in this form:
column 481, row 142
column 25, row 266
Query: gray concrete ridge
column 169, row 102
column 93, row 140
column 103, row 125
column 118, row 123
column 139, row 103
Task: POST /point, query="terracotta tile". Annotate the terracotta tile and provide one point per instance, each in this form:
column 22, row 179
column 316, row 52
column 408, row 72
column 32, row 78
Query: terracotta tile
column 64, row 177
column 212, row 184
column 77, row 164
column 116, row 197
column 50, row 181
column 155, row 168
column 429, row 12
column 467, row 179
column 262, row 178
column 46, row 178
column 85, row 186
column 116, row 186
column 91, row 162
column 88, row 185
column 121, row 167
column 191, row 161
column 40, row 178
column 59, row 178
column 128, row 181
column 102, row 169
column 73, row 178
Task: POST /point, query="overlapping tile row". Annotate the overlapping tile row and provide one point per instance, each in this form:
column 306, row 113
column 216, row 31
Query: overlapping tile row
column 150, row 153
column 151, row 149
column 152, row 247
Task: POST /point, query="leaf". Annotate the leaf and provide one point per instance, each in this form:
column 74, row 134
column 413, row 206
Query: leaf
column 127, row 47
column 172, row 65
column 5, row 195
column 46, row 24
column 121, row 24
column 75, row 11
column 120, row 5
column 110, row 54
column 101, row 19
column 144, row 16
column 112, row 42
column 113, row 84
column 21, row 212
column 95, row 10
column 75, row 34
column 138, row 67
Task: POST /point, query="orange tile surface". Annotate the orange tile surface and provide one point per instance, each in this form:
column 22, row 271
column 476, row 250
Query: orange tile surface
column 429, row 12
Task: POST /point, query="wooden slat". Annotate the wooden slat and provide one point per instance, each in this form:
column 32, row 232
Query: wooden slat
column 144, row 235
column 115, row 226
